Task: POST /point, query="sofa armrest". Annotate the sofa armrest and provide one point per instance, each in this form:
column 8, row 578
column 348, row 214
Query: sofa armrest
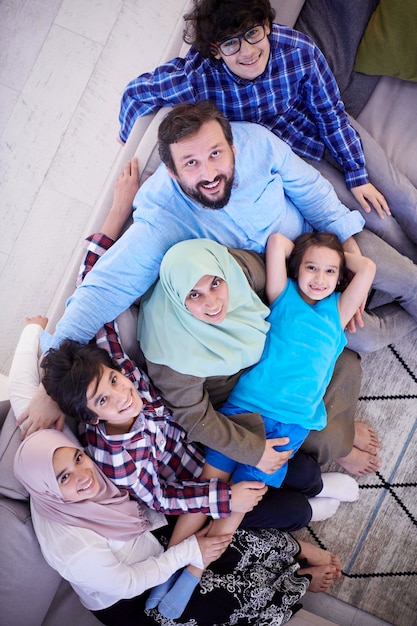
column 287, row 11
column 23, row 568
column 390, row 117
column 4, row 409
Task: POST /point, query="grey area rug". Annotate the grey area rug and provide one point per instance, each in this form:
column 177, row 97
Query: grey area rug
column 376, row 537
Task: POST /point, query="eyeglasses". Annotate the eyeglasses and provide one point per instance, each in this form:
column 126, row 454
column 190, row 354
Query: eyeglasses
column 252, row 35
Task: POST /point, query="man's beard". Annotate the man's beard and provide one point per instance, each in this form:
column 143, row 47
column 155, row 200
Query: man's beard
column 196, row 194
column 219, row 203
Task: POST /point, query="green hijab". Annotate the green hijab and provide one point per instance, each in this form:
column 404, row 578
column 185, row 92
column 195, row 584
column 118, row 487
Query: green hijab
column 170, row 335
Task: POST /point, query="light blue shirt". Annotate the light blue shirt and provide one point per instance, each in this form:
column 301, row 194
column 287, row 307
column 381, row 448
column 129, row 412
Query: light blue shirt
column 274, row 191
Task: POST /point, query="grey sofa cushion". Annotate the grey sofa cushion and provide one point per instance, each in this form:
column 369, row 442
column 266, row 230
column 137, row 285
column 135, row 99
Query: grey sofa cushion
column 337, row 27
column 287, row 11
column 390, row 116
column 9, row 443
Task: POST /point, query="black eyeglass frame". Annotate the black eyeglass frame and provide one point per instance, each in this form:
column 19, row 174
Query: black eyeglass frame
column 239, row 38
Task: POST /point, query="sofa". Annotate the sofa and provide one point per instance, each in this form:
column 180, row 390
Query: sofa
column 31, row 593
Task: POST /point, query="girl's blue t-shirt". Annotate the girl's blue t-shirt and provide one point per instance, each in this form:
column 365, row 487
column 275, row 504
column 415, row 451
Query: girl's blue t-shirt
column 302, row 346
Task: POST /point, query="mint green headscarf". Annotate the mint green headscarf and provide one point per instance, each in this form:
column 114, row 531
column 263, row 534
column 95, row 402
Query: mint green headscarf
column 170, row 335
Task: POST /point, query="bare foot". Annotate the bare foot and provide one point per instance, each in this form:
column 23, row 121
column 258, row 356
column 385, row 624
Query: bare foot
column 317, row 556
column 366, row 438
column 322, row 577
column 360, row 463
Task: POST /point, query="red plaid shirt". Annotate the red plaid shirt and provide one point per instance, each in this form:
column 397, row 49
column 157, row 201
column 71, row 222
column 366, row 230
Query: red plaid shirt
column 154, row 460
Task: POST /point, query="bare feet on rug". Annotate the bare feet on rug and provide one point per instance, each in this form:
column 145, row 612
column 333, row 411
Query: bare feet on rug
column 360, row 463
column 322, row 576
column 366, row 438
column 317, row 556
column 362, row 459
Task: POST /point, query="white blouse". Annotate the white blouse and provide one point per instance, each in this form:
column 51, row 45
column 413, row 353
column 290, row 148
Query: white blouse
column 101, row 571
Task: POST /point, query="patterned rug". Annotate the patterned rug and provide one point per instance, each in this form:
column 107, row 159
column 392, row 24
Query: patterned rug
column 376, row 537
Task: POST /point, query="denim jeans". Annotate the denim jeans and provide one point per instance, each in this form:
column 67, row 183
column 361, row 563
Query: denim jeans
column 396, row 278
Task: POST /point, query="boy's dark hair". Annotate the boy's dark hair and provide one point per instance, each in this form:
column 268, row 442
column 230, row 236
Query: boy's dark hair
column 324, row 240
column 68, row 372
column 214, row 21
column 185, row 120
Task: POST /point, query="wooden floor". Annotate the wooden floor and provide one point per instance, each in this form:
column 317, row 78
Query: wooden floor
column 63, row 66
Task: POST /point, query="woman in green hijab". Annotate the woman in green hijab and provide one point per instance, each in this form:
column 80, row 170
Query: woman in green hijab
column 188, row 359
column 195, row 364
column 167, row 326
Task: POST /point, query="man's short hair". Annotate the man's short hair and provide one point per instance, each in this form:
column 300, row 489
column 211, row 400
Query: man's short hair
column 185, row 120
column 68, row 372
column 213, row 21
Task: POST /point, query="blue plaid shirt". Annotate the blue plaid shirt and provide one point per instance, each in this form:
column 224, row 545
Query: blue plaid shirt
column 296, row 97
column 153, row 461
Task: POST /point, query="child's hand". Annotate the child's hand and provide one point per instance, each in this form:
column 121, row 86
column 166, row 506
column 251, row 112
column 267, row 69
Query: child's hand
column 356, row 320
column 370, row 198
column 125, row 189
column 37, row 319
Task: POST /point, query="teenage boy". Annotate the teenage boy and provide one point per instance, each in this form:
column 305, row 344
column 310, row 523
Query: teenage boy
column 258, row 71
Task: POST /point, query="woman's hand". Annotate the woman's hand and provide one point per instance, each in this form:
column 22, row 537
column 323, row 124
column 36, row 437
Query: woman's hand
column 246, row 495
column 42, row 412
column 272, row 460
column 211, row 547
column 37, row 319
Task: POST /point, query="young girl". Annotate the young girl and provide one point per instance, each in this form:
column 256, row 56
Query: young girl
column 310, row 308
column 106, row 546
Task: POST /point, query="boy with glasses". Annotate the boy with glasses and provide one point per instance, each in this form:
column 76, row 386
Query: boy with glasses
column 258, row 71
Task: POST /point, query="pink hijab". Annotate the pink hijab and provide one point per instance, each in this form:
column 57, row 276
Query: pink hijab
column 111, row 513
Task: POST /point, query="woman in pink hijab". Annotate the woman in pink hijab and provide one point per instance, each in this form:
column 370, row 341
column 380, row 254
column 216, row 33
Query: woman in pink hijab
column 107, row 547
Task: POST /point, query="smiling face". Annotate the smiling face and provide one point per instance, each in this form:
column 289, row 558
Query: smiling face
column 251, row 60
column 114, row 399
column 76, row 474
column 208, row 301
column 204, row 165
column 318, row 274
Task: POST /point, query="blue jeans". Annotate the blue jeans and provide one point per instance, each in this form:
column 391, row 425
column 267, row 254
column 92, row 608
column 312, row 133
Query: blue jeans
column 273, row 428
